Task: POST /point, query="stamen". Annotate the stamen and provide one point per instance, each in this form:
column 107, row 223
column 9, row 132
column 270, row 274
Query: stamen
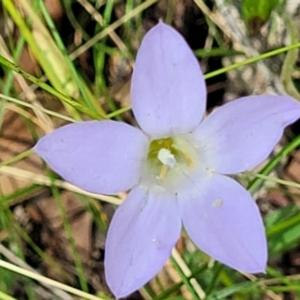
column 188, row 158
column 163, row 172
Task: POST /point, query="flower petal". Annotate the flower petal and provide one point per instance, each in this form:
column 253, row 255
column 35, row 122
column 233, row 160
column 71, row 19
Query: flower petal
column 223, row 221
column 140, row 238
column 168, row 91
column 241, row 134
column 97, row 156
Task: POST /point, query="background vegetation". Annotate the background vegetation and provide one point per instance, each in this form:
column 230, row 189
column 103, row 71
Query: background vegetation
column 71, row 60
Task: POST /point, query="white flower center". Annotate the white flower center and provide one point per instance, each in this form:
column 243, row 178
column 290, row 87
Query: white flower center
column 170, row 161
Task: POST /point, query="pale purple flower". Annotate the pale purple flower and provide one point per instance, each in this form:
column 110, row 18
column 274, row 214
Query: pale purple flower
column 175, row 166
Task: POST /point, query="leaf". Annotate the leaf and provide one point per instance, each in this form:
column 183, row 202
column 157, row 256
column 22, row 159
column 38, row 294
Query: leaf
column 257, row 12
column 283, row 229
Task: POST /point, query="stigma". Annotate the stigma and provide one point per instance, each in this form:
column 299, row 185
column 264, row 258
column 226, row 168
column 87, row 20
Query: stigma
column 166, row 157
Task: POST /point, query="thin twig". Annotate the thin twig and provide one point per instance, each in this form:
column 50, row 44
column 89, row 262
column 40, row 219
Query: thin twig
column 44, row 180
